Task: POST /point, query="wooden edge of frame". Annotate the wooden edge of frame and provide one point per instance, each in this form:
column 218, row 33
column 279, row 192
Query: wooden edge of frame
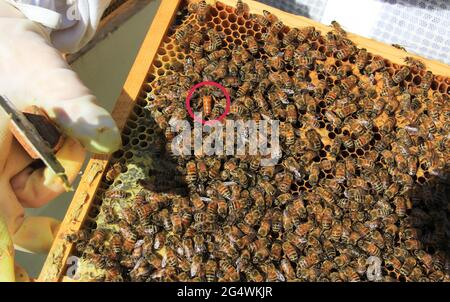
column 57, row 258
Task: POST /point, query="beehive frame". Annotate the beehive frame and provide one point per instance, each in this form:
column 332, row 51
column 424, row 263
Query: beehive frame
column 134, row 90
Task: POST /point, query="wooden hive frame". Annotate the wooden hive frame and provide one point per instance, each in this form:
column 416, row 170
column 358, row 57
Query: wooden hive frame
column 58, row 258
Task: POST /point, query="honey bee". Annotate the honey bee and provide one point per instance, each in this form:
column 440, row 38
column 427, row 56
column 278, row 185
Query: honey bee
column 362, row 59
column 416, row 63
column 242, row 8
column 305, row 33
column 314, row 139
column 426, row 82
column 364, row 139
column 230, row 272
column 113, row 172
column 254, row 275
column 376, row 65
column 202, row 11
column 199, row 244
column 286, row 182
column 308, row 261
column 252, row 45
column 116, row 194
column 215, row 41
column 425, row 258
column 97, row 238
column 408, row 266
column 182, row 33
column 276, row 62
column 287, row 269
column 413, row 244
column 401, row 74
column 347, row 141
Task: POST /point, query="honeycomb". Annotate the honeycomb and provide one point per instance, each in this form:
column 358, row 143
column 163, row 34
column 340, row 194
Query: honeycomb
column 361, row 194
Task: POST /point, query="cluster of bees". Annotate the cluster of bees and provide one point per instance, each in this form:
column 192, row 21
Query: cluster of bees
column 362, row 173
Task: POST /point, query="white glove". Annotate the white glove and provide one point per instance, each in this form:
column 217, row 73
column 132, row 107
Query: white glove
column 32, row 72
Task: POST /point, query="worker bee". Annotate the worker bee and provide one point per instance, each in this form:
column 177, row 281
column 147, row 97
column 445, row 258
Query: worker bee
column 252, row 45
column 115, row 193
column 401, row 74
column 308, row 261
column 113, row 172
column 408, row 266
column 202, row 11
column 347, row 141
column 253, row 274
column 413, row 62
column 305, row 33
column 364, row 139
column 314, row 172
column 242, row 8
column 362, row 59
column 376, row 65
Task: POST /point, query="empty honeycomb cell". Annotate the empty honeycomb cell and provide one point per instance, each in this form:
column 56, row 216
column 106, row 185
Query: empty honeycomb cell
column 216, row 21
column 161, row 51
column 223, row 15
column 242, row 30
column 165, row 58
column 160, row 72
column 225, row 24
column 434, row 85
column 134, row 141
column 131, row 125
column 359, row 152
column 93, row 212
column 240, row 21
column 442, row 88
column 227, row 31
column 230, row 10
column 219, row 27
column 421, row 180
column 157, row 63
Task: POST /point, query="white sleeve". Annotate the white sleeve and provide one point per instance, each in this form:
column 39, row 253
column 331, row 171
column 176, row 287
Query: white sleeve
column 71, row 23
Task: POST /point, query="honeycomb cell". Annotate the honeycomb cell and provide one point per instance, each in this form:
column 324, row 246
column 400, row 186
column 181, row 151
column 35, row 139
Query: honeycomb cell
column 223, row 15
column 434, row 85
column 240, row 21
column 157, row 63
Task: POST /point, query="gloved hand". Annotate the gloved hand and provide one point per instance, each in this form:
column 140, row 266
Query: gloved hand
column 32, row 72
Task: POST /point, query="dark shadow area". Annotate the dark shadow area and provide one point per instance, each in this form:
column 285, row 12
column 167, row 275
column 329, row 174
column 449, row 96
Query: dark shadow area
column 429, row 216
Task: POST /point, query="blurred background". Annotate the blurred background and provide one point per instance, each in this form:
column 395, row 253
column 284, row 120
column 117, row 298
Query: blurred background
column 422, row 27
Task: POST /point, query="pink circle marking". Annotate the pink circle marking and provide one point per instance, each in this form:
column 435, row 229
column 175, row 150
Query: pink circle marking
column 208, row 83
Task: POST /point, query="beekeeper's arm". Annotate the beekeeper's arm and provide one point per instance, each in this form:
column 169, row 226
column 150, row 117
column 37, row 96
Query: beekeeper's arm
column 33, row 34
